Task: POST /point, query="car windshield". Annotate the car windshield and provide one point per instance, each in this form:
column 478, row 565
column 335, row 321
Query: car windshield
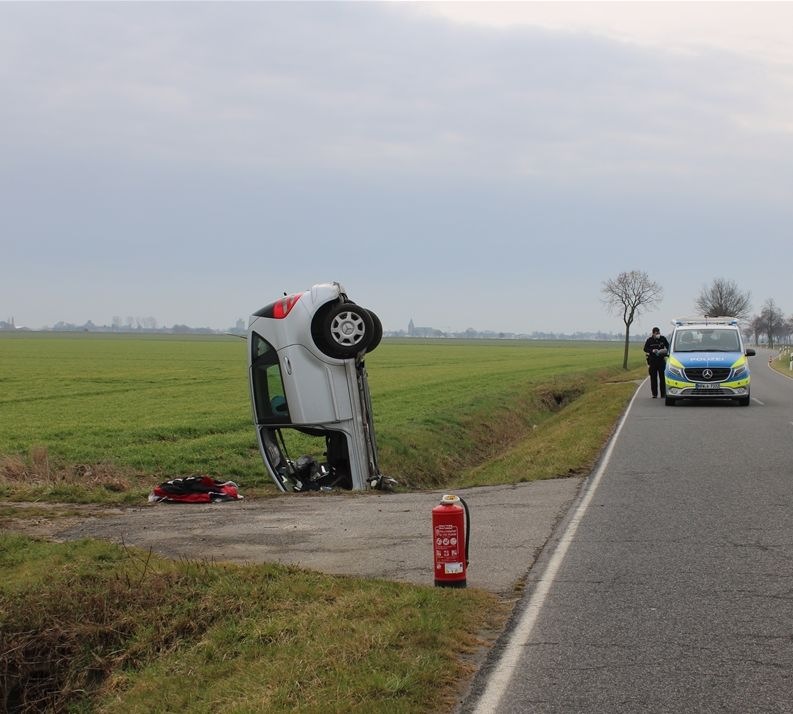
column 704, row 340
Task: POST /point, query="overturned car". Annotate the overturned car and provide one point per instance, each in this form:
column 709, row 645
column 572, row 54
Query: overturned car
column 310, row 393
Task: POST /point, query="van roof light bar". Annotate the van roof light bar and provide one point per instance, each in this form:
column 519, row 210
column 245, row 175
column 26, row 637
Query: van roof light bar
column 705, row 320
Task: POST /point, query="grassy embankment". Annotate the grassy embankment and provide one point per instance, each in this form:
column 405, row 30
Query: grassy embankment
column 88, row 626
column 100, row 628
column 782, row 362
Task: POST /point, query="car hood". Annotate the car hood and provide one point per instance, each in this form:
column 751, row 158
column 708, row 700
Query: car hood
column 706, row 359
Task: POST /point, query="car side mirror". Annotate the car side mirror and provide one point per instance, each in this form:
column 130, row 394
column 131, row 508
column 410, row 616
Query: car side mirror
column 750, row 352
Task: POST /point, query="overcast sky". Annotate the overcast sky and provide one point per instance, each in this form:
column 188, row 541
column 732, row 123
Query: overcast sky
column 460, row 164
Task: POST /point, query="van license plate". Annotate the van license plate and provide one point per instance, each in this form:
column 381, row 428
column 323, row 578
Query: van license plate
column 709, row 386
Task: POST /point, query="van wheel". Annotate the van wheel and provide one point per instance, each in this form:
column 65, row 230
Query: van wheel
column 669, row 401
column 343, row 330
column 744, row 401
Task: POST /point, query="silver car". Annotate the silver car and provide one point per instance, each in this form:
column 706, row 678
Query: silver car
column 307, row 375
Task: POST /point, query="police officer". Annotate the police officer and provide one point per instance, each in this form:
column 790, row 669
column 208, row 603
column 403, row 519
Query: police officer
column 657, row 347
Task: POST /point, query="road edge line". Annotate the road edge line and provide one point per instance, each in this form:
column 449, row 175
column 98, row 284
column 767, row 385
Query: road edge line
column 499, row 678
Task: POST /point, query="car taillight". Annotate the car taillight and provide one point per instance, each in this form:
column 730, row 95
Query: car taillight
column 282, row 307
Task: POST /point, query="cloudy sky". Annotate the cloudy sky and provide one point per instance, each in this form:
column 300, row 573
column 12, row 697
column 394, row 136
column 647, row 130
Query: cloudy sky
column 460, row 164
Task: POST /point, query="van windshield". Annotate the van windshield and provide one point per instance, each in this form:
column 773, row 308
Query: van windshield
column 704, row 340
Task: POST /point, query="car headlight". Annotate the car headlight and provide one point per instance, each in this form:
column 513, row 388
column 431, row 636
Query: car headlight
column 739, row 372
column 675, row 372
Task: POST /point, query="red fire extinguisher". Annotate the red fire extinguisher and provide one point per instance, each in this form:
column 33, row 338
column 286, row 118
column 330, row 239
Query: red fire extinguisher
column 451, row 531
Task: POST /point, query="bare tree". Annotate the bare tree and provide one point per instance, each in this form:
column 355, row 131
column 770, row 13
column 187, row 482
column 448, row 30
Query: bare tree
column 628, row 295
column 787, row 328
column 755, row 329
column 724, row 299
column 770, row 322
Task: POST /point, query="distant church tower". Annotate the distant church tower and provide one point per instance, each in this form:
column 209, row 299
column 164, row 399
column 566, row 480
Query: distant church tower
column 411, row 328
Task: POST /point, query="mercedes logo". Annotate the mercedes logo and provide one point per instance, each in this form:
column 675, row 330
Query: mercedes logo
column 707, row 374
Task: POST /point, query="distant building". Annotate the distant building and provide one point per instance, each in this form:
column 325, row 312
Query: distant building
column 414, row 331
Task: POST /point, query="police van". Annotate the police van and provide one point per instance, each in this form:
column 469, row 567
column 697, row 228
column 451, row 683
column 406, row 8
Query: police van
column 707, row 360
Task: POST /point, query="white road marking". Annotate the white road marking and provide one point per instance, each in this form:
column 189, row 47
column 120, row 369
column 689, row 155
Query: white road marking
column 502, row 673
column 762, row 404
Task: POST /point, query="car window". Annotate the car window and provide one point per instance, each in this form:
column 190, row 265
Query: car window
column 271, row 406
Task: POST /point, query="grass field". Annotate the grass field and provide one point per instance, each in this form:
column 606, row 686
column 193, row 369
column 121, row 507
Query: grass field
column 128, row 411
column 93, row 627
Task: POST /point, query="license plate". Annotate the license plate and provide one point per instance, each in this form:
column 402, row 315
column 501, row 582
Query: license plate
column 709, row 385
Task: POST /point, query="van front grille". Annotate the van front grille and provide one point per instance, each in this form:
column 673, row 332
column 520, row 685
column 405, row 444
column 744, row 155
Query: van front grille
column 716, row 374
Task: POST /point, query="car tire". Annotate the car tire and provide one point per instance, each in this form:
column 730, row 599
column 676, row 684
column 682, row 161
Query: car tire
column 377, row 332
column 342, row 330
column 669, row 401
column 744, row 401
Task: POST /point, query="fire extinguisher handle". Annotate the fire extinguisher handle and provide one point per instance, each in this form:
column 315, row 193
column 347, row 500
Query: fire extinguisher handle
column 467, row 530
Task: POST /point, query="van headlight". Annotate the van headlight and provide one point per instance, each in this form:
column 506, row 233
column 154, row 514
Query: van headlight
column 675, row 372
column 739, row 372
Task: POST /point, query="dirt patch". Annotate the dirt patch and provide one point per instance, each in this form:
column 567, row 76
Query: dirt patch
column 45, row 520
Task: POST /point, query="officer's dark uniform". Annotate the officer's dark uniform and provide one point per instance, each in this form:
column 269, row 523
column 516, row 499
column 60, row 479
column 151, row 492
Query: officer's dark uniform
column 656, row 362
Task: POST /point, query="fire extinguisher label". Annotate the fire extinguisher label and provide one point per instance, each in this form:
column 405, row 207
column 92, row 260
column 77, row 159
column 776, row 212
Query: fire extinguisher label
column 447, row 546
column 452, row 568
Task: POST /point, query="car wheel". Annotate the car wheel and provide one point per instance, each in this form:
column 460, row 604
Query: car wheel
column 377, row 332
column 744, row 401
column 669, row 401
column 343, row 330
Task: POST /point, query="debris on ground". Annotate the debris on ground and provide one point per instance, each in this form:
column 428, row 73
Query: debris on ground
column 195, row 489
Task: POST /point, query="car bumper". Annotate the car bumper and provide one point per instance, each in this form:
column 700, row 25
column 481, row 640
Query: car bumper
column 707, row 390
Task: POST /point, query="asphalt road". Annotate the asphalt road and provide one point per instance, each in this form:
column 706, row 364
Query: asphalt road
column 669, row 587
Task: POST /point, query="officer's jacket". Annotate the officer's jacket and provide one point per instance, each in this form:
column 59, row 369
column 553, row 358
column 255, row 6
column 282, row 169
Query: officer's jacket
column 655, row 343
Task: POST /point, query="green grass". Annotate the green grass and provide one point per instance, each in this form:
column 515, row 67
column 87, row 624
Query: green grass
column 567, row 443
column 155, row 404
column 781, row 363
column 88, row 626
column 99, row 417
